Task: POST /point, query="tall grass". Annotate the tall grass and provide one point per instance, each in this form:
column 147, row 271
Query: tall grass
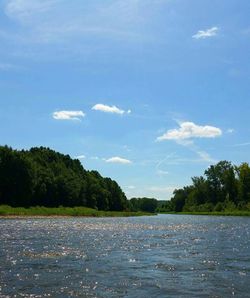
column 6, row 210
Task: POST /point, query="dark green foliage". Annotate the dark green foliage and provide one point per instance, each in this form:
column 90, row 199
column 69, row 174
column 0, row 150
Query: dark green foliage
column 16, row 177
column 143, row 204
column 221, row 182
column 166, row 207
column 43, row 177
column 180, row 197
column 225, row 188
column 243, row 172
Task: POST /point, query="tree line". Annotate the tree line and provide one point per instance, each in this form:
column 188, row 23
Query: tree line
column 43, row 177
column 143, row 204
column 223, row 187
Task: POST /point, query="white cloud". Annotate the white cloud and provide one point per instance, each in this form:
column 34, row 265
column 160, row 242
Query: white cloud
column 206, row 33
column 109, row 109
column 117, row 159
column 184, row 136
column 81, row 156
column 189, row 130
column 68, row 115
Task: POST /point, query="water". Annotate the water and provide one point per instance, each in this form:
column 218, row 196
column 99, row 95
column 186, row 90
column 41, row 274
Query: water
column 160, row 256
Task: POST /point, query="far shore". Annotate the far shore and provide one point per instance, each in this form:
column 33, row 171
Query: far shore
column 212, row 213
column 69, row 216
column 60, row 212
column 9, row 212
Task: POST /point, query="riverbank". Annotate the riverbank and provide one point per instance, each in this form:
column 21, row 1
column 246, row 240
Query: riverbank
column 7, row 211
column 213, row 213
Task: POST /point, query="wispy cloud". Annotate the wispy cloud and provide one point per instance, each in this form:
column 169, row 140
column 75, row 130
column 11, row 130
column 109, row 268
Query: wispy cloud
column 160, row 189
column 242, row 144
column 185, row 161
column 127, row 148
column 204, row 156
column 23, row 9
column 68, row 115
column 81, row 156
column 50, row 21
column 131, row 187
column 160, row 166
column 117, row 159
column 189, row 130
column 94, row 157
column 162, row 172
column 7, row 67
column 230, row 130
column 185, row 135
column 109, row 109
column 201, row 34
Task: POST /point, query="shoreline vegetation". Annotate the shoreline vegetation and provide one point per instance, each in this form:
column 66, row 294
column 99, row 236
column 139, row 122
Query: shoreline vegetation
column 43, row 177
column 224, row 189
column 43, row 182
column 212, row 213
column 40, row 211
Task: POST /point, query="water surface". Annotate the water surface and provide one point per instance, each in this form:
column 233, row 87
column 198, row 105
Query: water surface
column 160, row 256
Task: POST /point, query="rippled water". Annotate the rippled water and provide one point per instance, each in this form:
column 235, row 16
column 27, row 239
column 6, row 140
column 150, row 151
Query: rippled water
column 160, row 256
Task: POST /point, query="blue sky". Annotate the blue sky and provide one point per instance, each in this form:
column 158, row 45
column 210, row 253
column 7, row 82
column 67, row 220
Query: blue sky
column 149, row 93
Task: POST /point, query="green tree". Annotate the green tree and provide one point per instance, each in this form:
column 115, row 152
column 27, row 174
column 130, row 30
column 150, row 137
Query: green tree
column 16, row 178
column 180, row 197
column 221, row 182
column 143, row 204
column 41, row 176
column 243, row 172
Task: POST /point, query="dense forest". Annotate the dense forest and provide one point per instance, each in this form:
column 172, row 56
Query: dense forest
column 43, row 177
column 224, row 187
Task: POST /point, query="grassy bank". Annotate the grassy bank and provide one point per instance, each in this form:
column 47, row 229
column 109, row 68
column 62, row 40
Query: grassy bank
column 215, row 213
column 64, row 211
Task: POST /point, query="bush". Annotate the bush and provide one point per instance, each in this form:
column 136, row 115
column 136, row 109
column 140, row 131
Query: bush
column 219, row 207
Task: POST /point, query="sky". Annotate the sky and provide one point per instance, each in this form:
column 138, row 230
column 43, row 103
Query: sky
column 147, row 92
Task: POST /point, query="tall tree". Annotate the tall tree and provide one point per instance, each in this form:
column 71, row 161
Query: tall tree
column 243, row 172
column 16, row 178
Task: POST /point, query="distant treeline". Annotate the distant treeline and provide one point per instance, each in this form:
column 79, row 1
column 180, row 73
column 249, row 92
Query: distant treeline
column 143, row 204
column 224, row 187
column 43, row 177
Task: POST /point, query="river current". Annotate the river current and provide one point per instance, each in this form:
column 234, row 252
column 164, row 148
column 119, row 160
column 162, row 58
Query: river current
column 156, row 256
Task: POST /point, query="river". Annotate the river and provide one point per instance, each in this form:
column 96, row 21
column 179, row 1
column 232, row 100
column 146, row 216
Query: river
column 156, row 256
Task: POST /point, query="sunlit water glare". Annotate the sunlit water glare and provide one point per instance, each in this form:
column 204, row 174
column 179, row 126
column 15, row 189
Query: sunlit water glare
column 157, row 256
